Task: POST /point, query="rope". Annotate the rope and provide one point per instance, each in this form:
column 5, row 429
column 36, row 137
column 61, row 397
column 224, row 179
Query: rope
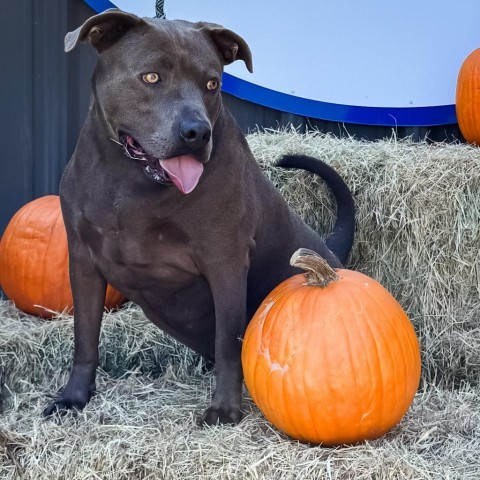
column 159, row 13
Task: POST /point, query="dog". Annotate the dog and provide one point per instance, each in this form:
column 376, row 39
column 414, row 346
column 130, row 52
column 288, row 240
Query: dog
column 163, row 199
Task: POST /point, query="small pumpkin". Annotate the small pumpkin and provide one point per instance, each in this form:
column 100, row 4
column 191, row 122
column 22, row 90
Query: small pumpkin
column 34, row 261
column 467, row 102
column 330, row 356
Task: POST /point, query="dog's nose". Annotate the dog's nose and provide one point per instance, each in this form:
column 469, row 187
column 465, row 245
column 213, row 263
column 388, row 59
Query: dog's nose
column 195, row 133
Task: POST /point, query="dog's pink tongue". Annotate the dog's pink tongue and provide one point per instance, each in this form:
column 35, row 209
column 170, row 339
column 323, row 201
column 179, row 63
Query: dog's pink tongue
column 185, row 171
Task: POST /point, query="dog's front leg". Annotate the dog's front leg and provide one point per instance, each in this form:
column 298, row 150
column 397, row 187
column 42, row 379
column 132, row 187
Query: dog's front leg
column 88, row 289
column 229, row 289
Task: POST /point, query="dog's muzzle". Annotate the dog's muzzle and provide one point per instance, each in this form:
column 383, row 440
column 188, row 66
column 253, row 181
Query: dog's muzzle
column 183, row 171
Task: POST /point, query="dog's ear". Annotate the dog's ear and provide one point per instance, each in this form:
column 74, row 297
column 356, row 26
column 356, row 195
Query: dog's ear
column 102, row 30
column 230, row 45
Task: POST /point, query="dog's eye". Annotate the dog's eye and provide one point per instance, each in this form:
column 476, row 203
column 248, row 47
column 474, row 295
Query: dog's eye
column 151, row 77
column 212, row 84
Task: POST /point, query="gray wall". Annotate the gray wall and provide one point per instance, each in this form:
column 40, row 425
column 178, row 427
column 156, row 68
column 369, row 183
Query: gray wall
column 45, row 95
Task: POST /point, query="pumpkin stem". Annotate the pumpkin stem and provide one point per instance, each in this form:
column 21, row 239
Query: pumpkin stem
column 317, row 271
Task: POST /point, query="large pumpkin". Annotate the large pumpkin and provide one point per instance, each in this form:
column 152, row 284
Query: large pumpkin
column 331, row 357
column 34, row 260
column 468, row 98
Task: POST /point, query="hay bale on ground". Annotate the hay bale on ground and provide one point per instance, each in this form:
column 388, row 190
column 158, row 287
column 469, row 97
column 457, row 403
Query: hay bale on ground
column 417, row 233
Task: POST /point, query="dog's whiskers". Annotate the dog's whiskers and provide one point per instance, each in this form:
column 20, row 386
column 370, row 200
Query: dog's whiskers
column 125, row 149
column 116, row 141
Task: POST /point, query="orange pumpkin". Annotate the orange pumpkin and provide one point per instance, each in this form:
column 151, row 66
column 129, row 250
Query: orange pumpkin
column 331, row 357
column 34, row 261
column 468, row 98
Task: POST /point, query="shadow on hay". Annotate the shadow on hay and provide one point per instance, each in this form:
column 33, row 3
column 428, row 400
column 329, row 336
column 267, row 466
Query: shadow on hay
column 35, row 352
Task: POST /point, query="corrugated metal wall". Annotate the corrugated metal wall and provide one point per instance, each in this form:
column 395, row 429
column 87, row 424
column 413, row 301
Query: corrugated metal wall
column 44, row 97
column 45, row 93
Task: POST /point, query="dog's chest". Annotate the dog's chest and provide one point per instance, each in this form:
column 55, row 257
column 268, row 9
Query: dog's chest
column 137, row 250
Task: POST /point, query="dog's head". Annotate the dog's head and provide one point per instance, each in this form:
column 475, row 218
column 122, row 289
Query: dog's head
column 157, row 87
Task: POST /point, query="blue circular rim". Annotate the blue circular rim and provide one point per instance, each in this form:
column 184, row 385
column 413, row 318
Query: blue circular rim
column 378, row 116
column 100, row 5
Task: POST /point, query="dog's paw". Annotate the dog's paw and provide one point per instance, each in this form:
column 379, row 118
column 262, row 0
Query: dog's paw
column 64, row 403
column 60, row 407
column 220, row 416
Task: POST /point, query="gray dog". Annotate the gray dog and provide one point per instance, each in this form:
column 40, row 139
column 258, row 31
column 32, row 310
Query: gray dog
column 163, row 199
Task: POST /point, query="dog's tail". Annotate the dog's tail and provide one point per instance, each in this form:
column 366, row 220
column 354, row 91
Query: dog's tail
column 340, row 240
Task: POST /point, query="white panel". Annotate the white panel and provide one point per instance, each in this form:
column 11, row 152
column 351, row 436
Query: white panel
column 369, row 53
column 143, row 8
column 366, row 53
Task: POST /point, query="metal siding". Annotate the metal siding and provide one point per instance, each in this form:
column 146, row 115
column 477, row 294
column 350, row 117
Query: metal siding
column 16, row 123
column 44, row 97
column 49, row 97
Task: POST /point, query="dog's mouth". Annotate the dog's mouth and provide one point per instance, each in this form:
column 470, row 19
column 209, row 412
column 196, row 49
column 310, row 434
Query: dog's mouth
column 183, row 171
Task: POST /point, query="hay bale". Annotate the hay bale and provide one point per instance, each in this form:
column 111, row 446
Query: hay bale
column 417, row 233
